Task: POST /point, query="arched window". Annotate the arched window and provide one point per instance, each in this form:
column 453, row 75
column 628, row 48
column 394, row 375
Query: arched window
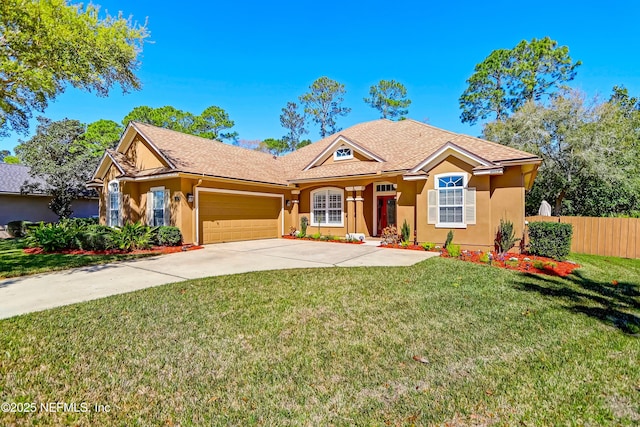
column 113, row 204
column 327, row 207
column 452, row 204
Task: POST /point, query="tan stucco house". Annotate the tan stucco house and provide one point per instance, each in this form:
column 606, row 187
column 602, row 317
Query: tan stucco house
column 358, row 180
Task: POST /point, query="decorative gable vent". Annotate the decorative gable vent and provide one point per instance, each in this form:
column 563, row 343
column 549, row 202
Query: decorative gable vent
column 343, row 153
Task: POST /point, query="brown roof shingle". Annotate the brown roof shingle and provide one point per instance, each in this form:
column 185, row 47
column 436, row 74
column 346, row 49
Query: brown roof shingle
column 403, row 144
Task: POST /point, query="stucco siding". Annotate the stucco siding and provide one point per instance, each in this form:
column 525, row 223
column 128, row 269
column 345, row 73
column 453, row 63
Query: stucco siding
column 142, row 155
column 36, row 208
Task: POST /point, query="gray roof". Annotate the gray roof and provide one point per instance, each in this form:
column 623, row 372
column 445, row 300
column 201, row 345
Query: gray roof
column 13, row 176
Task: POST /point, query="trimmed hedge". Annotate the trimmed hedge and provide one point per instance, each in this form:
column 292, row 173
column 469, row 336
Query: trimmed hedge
column 550, row 239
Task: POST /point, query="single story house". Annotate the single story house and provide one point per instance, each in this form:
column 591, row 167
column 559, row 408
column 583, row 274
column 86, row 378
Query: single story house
column 33, row 206
column 358, row 180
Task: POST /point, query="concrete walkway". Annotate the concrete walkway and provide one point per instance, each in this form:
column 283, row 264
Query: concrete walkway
column 39, row 292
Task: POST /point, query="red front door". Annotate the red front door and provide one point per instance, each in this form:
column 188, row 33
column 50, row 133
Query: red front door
column 386, row 212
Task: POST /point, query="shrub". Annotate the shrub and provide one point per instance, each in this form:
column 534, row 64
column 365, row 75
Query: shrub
column 316, row 236
column 449, row 238
column 390, row 235
column 506, row 238
column 550, row 239
column 17, row 228
column 96, row 238
column 538, row 264
column 132, row 236
column 405, row 243
column 427, row 246
column 405, row 231
column 453, row 250
column 168, row 236
column 304, row 221
column 484, row 257
column 80, row 222
column 53, row 237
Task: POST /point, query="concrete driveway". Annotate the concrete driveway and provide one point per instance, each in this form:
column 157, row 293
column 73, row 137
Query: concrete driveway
column 39, row 292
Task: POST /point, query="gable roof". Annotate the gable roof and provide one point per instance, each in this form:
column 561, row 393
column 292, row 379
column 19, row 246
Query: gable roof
column 341, row 141
column 405, row 147
column 192, row 154
column 13, row 176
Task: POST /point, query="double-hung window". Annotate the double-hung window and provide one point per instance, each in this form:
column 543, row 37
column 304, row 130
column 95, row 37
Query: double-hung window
column 450, row 199
column 158, row 206
column 113, row 204
column 327, row 207
column 452, row 204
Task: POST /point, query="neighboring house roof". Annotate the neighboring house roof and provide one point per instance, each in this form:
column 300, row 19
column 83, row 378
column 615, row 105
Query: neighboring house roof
column 401, row 147
column 12, row 177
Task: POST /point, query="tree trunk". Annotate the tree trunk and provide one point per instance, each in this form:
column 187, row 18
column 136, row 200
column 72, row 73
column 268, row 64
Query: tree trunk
column 557, row 209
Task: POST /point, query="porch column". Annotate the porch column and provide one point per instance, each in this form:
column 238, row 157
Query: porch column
column 351, row 213
column 361, row 227
column 295, row 221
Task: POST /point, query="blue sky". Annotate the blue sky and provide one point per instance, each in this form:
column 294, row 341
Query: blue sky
column 250, row 58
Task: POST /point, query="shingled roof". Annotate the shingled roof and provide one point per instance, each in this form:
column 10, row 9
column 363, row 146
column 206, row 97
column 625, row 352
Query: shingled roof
column 398, row 146
column 12, row 177
column 193, row 154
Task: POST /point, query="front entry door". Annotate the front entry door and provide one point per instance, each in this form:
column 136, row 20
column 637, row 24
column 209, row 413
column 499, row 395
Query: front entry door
column 386, row 212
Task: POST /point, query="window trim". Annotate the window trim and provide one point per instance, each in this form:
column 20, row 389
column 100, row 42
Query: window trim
column 326, row 190
column 346, row 157
column 109, row 208
column 165, row 220
column 465, row 182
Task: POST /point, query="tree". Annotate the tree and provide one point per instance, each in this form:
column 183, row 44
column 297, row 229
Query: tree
column 209, row 124
column 276, row 146
column 390, row 98
column 55, row 154
column 12, row 160
column 101, row 135
column 47, row 45
column 584, row 172
column 3, row 154
column 323, row 104
column 294, row 122
column 508, row 78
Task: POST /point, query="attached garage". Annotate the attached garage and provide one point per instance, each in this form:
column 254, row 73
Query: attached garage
column 228, row 216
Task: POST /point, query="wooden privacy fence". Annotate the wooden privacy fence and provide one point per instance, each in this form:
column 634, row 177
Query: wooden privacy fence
column 618, row 237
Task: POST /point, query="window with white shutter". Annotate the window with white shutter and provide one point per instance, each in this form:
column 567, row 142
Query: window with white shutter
column 451, row 203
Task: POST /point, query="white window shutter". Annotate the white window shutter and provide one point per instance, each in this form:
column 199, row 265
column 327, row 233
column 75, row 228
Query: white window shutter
column 149, row 208
column 107, row 205
column 120, row 209
column 470, row 206
column 167, row 207
column 432, row 216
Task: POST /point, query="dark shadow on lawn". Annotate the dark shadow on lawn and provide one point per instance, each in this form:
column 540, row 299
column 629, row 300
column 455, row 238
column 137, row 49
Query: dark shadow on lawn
column 617, row 305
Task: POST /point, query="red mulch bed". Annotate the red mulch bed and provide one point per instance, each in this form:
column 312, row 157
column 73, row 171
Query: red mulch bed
column 154, row 250
column 320, row 240
column 410, row 247
column 524, row 263
column 549, row 266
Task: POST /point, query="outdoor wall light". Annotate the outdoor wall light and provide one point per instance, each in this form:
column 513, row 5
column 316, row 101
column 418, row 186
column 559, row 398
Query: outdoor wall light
column 190, row 197
column 288, row 203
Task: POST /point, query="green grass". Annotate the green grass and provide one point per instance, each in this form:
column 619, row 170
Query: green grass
column 14, row 262
column 335, row 347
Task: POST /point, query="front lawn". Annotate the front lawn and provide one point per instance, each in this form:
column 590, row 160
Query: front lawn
column 14, row 262
column 336, row 346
